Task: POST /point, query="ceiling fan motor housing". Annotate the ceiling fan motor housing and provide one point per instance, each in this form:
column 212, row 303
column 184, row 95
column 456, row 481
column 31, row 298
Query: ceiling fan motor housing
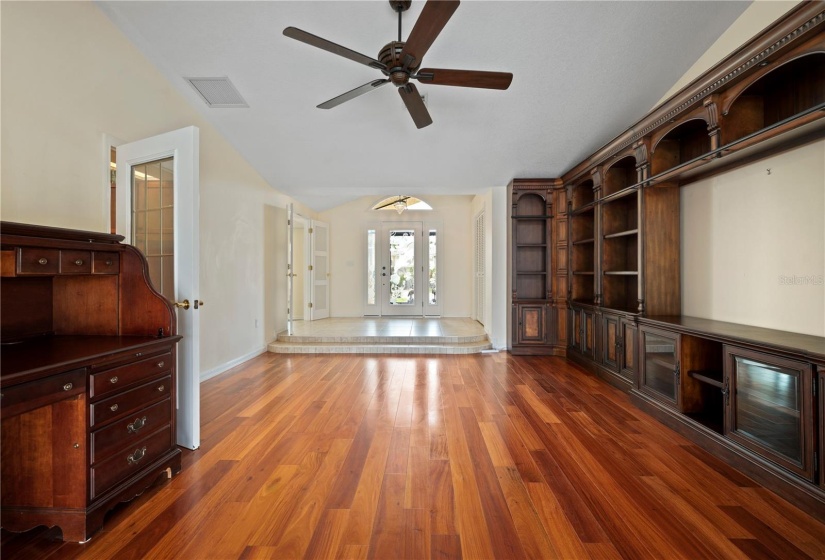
column 390, row 55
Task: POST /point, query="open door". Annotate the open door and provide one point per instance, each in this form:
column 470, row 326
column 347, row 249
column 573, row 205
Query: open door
column 319, row 270
column 158, row 211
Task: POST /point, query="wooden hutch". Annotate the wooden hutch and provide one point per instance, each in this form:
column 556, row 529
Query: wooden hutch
column 87, row 377
column 716, row 383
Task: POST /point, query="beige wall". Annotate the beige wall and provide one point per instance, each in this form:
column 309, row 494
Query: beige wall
column 69, row 77
column 348, row 224
column 753, row 242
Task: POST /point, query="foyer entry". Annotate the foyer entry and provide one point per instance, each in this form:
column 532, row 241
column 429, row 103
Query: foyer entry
column 403, row 269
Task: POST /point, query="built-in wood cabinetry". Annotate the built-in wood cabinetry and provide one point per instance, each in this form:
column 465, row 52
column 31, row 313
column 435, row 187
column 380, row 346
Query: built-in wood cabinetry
column 625, row 274
column 536, row 267
column 87, row 377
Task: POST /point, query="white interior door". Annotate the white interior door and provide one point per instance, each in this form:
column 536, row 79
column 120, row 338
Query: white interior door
column 182, row 146
column 480, row 283
column 319, row 270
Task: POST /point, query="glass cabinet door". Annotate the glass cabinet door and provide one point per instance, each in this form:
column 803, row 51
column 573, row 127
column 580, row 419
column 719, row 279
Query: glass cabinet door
column 660, row 366
column 770, row 406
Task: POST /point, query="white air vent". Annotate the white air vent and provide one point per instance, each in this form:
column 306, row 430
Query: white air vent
column 218, row 92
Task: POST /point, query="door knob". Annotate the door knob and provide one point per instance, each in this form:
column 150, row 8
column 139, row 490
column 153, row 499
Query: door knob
column 184, row 304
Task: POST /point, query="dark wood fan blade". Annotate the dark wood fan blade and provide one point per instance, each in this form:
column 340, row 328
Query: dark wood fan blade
column 401, row 199
column 433, row 18
column 415, row 105
column 315, row 41
column 465, row 78
column 352, row 94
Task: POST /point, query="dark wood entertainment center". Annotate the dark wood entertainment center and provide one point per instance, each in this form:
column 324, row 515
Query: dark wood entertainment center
column 754, row 397
column 87, row 378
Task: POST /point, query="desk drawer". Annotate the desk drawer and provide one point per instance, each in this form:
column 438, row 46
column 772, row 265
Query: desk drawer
column 126, row 463
column 117, row 378
column 106, row 263
column 128, row 402
column 31, row 260
column 127, row 432
column 75, row 262
column 29, row 396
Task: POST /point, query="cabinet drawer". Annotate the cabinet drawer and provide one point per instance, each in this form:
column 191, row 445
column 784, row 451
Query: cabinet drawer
column 117, row 378
column 38, row 261
column 106, row 263
column 28, row 396
column 75, row 262
column 126, row 463
column 128, row 402
column 127, row 432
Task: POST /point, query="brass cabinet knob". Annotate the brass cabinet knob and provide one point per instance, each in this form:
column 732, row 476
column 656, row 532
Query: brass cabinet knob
column 161, row 388
column 68, row 387
column 113, row 380
column 79, row 262
column 113, row 408
column 43, row 260
column 161, row 364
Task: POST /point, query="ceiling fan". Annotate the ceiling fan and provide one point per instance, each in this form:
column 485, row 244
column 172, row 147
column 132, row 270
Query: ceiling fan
column 400, row 61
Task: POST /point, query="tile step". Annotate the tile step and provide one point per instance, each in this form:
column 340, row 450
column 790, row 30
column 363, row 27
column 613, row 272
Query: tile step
column 387, row 339
column 378, row 348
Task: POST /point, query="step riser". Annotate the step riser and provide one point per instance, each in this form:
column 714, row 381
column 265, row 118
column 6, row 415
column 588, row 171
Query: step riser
column 382, row 339
column 376, row 349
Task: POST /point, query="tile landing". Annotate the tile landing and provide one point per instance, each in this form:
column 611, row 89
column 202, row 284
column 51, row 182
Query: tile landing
column 383, row 335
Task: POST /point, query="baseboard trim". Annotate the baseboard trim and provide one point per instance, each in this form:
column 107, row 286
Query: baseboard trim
column 226, row 366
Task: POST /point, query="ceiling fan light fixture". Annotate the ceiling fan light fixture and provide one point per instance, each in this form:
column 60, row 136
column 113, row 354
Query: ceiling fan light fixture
column 400, row 206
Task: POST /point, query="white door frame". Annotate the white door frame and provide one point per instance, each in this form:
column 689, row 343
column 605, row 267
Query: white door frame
column 183, row 145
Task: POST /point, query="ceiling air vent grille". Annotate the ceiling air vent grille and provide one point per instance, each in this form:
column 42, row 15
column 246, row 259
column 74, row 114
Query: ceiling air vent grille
column 218, row 92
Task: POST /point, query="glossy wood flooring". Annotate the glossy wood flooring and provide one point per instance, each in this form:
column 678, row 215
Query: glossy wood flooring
column 480, row 456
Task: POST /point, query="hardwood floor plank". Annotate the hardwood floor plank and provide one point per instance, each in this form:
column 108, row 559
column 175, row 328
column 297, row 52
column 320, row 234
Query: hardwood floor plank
column 441, row 498
column 763, row 533
column 399, row 455
column 445, row 547
column 499, row 522
column 389, row 526
column 418, row 478
column 556, row 525
column 326, row 539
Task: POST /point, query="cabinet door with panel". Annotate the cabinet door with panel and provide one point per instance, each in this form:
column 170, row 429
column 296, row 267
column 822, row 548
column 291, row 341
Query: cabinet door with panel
column 770, row 408
column 820, row 391
column 628, row 349
column 611, row 342
column 583, row 335
column 659, row 376
column 531, row 321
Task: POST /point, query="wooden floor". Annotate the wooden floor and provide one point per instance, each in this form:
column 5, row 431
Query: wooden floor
column 479, row 456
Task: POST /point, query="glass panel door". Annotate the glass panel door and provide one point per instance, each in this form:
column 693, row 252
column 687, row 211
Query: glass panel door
column 660, row 366
column 770, row 407
column 153, row 221
column 401, row 274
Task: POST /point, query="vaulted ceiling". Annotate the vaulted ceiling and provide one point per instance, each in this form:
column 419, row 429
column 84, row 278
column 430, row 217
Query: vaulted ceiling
column 583, row 72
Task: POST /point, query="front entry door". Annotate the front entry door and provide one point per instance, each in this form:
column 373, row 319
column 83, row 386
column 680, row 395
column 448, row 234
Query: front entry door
column 401, row 269
column 157, row 210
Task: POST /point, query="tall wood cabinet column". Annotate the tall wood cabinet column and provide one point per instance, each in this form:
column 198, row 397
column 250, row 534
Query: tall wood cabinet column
column 534, row 267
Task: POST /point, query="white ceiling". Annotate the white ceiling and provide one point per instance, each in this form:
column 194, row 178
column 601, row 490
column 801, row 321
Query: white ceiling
column 583, row 72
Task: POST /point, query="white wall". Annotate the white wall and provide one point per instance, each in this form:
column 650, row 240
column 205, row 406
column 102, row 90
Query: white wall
column 348, row 251
column 753, row 244
column 69, row 77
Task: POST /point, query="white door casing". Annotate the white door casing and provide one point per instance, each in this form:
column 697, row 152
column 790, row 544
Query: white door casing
column 183, row 146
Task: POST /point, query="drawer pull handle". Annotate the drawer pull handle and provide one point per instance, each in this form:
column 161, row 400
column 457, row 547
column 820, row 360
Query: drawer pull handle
column 113, row 408
column 109, row 262
column 161, row 388
column 68, row 387
column 136, row 456
column 79, row 262
column 43, row 260
column 161, row 363
column 113, row 380
column 136, row 425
